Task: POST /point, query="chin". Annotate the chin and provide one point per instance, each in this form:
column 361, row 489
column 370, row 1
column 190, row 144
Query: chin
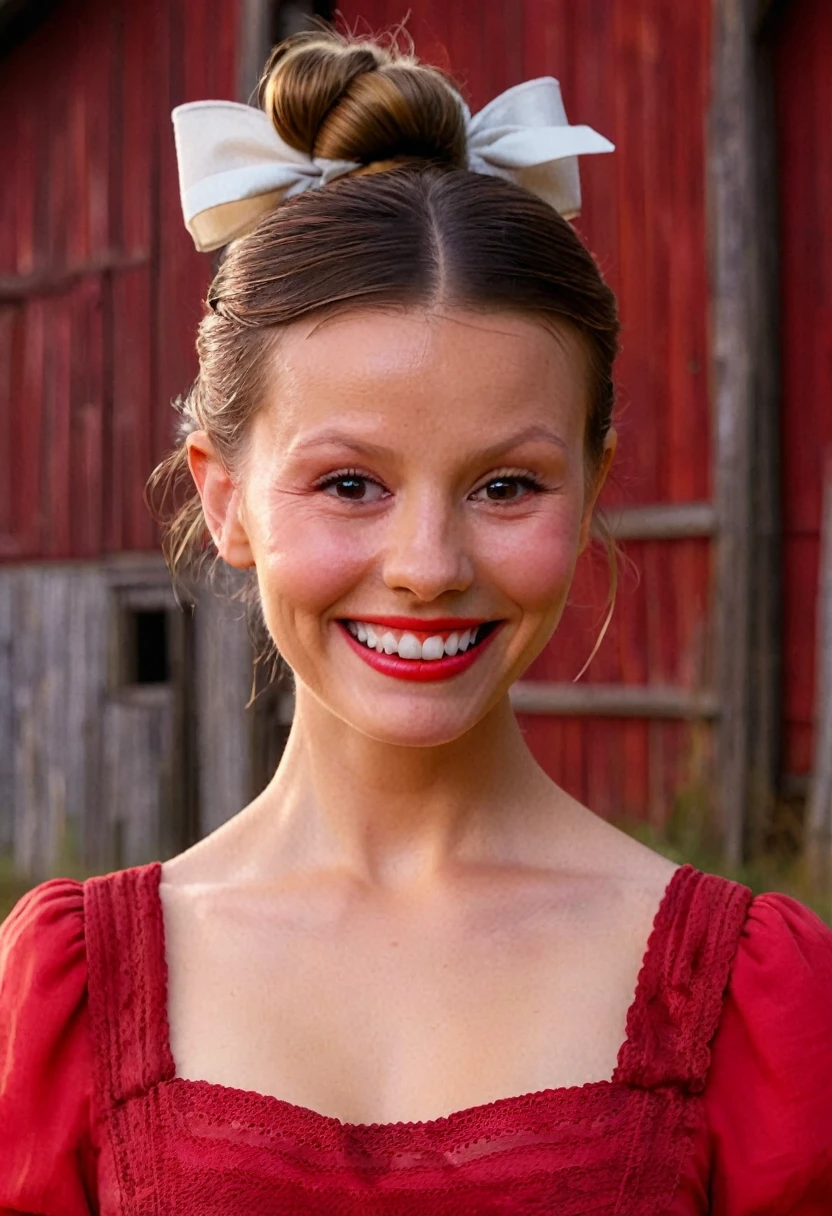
column 429, row 735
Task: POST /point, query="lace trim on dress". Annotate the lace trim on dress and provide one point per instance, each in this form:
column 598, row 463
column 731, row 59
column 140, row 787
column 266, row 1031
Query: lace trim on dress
column 614, row 1146
column 682, row 982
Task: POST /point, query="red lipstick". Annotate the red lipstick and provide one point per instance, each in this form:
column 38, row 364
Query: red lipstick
column 421, row 624
column 423, row 670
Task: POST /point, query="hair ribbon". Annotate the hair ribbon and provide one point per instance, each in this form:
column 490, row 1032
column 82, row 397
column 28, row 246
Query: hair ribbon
column 234, row 167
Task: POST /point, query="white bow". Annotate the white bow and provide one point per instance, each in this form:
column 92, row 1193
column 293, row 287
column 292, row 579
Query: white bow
column 234, row 167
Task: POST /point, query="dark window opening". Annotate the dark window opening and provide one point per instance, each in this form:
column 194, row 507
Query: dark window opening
column 148, row 658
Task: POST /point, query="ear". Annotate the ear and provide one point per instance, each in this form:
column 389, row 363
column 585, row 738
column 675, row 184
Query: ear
column 610, row 444
column 221, row 501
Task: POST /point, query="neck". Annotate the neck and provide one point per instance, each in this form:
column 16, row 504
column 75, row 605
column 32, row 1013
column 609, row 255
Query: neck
column 391, row 814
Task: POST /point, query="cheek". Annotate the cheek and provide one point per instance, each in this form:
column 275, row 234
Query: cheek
column 534, row 564
column 306, row 564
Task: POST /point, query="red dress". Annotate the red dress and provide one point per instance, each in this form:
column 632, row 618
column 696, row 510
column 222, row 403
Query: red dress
column 721, row 1101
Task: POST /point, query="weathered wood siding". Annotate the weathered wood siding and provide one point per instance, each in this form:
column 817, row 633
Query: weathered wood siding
column 803, row 63
column 100, row 286
column 97, row 770
column 638, row 71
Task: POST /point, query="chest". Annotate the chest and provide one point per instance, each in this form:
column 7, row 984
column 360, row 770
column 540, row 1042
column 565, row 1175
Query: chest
column 379, row 1017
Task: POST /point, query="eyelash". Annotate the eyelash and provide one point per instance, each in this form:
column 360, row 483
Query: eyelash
column 523, row 477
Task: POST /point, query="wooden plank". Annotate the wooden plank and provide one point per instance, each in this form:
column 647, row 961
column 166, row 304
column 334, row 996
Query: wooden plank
column 7, row 714
column 57, row 663
column 55, row 457
column 801, row 46
column 223, row 675
column 613, row 700
column 87, row 407
column 252, row 41
column 9, row 134
column 662, row 521
column 27, row 430
column 25, row 189
column 733, row 234
column 9, row 320
column 49, row 281
column 130, row 458
column 819, row 807
column 765, row 748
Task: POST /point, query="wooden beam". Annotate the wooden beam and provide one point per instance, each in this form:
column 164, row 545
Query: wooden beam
column 733, row 233
column 613, row 700
column 662, row 521
column 14, row 287
column 253, row 45
column 764, row 543
column 819, row 808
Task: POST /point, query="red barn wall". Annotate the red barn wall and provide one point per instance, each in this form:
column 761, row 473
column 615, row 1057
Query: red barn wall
column 100, row 292
column 803, row 63
column 638, row 71
column 100, row 286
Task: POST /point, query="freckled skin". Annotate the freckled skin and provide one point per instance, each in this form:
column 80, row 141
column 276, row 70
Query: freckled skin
column 434, row 391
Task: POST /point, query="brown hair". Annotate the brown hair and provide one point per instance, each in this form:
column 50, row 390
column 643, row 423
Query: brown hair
column 412, row 227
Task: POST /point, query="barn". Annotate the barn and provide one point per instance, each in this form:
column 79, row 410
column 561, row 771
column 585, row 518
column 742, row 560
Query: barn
column 127, row 722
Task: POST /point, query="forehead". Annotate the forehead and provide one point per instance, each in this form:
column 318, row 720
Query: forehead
column 404, row 368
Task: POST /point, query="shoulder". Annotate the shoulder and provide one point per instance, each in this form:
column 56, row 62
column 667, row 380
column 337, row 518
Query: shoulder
column 45, row 1053
column 771, row 1064
column 780, row 984
column 43, row 932
column 43, row 973
column 782, row 933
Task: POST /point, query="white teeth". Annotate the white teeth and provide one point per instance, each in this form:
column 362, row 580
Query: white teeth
column 432, row 648
column 410, row 647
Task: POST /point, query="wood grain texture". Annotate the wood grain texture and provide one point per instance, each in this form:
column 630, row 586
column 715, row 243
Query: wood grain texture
column 94, row 251
column 638, row 71
column 819, row 808
column 93, row 772
column 803, row 80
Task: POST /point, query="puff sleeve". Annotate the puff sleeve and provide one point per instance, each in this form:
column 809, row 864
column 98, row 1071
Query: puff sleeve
column 47, row 1156
column 768, row 1098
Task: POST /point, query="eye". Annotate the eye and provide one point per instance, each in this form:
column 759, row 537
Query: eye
column 351, row 486
column 508, row 488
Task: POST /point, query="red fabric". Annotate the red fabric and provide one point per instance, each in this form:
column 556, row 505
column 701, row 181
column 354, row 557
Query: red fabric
column 720, row 1102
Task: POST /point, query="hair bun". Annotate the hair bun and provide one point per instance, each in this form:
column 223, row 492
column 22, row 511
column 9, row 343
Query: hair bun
column 353, row 99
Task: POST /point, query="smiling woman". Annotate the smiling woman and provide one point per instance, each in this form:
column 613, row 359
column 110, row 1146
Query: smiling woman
column 413, row 975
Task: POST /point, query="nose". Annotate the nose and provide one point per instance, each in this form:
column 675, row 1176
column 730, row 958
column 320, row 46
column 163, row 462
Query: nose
column 426, row 553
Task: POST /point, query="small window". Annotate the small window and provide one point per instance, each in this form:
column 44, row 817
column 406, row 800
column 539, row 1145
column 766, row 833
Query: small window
column 147, row 660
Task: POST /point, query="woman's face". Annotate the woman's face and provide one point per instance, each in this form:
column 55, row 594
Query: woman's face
column 414, row 481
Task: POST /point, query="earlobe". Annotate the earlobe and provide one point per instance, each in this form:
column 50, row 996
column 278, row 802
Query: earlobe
column 220, row 501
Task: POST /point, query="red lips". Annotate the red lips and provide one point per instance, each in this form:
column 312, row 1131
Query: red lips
column 420, row 670
column 420, row 624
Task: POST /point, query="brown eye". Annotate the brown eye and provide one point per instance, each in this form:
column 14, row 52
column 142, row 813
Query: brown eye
column 352, row 487
column 508, row 489
column 502, row 490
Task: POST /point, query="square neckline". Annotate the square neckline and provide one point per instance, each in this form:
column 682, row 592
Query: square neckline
column 272, row 1104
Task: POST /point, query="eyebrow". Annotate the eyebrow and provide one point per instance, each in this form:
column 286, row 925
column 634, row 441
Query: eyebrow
column 528, row 435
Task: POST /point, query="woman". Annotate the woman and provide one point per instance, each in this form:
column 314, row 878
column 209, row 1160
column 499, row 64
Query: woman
column 413, row 975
